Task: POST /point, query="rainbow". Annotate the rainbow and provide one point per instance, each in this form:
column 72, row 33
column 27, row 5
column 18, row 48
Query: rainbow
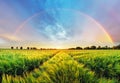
column 27, row 20
column 109, row 38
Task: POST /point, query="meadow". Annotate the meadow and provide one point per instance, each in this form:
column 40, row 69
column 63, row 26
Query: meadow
column 59, row 66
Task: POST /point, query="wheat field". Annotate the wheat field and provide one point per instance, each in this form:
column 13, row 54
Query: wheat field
column 59, row 66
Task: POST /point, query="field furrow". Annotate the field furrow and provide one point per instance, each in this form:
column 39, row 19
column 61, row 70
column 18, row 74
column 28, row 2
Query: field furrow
column 18, row 63
column 105, row 64
column 60, row 66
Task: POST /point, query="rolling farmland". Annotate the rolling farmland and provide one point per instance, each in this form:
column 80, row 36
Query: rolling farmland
column 59, row 66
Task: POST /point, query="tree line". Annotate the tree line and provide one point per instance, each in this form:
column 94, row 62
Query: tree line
column 95, row 47
column 32, row 48
column 76, row 48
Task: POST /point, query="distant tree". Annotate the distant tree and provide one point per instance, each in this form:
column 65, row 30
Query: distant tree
column 86, row 48
column 40, row 48
column 34, row 48
column 78, row 48
column 16, row 47
column 116, row 47
column 28, row 48
column 71, row 48
column 21, row 47
column 43, row 48
column 106, row 47
column 31, row 48
column 93, row 47
column 12, row 47
column 99, row 47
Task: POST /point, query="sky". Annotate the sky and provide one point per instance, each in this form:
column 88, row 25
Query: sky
column 59, row 23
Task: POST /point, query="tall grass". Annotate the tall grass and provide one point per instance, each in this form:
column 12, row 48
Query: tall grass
column 103, row 63
column 14, row 62
column 61, row 66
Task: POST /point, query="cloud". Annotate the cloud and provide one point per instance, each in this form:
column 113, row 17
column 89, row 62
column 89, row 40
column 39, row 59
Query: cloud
column 56, row 32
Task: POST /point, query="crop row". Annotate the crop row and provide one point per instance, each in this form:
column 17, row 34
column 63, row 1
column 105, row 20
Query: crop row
column 103, row 63
column 19, row 62
column 61, row 68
